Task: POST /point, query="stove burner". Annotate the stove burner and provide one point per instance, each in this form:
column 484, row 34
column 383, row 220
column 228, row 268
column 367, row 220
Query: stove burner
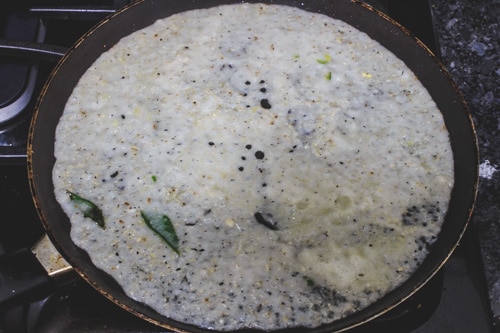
column 32, row 39
column 18, row 77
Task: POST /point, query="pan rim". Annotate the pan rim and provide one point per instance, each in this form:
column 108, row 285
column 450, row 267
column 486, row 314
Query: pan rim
column 339, row 325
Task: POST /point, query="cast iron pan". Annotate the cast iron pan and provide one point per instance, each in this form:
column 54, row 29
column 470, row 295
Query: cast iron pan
column 143, row 13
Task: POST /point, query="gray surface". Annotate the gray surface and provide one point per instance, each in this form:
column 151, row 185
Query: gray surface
column 468, row 33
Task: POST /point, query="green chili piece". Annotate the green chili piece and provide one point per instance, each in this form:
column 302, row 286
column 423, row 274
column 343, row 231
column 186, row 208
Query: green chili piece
column 325, row 60
column 88, row 208
column 162, row 225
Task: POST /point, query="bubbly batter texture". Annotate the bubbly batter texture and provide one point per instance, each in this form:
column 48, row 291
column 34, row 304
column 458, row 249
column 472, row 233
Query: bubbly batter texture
column 304, row 167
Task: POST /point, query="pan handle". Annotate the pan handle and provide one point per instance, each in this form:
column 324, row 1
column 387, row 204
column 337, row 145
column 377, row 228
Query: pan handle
column 22, row 279
column 30, row 275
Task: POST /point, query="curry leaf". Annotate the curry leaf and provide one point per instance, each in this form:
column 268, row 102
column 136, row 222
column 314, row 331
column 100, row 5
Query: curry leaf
column 88, row 208
column 162, row 225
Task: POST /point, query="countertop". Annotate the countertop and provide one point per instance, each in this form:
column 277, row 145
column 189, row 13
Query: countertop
column 468, row 34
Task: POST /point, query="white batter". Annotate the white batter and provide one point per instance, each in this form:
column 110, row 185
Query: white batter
column 303, row 166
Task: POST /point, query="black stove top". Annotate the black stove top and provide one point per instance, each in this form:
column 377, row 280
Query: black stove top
column 455, row 300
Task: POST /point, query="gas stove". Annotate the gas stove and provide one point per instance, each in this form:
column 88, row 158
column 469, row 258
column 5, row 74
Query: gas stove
column 34, row 35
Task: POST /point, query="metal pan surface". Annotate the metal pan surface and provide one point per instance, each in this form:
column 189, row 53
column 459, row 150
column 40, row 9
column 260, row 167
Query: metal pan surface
column 143, row 13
